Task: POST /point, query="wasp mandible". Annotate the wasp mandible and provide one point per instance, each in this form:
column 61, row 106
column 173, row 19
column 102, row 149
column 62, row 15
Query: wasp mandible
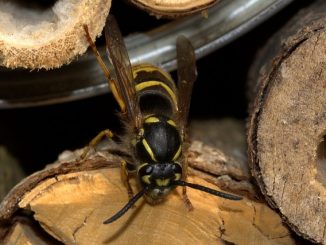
column 155, row 114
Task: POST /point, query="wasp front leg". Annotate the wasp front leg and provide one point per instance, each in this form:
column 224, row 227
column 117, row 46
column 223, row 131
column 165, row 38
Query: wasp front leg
column 126, row 170
column 185, row 197
column 105, row 133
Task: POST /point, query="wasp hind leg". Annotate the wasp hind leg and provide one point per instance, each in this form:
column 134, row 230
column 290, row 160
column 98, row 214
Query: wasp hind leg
column 105, row 133
column 185, row 197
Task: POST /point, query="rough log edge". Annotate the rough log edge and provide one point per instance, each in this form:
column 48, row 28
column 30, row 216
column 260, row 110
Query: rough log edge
column 60, row 50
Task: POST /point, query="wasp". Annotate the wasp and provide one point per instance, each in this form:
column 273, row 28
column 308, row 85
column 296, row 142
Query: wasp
column 155, row 112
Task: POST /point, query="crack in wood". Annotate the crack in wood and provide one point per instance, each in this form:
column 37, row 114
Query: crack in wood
column 259, row 229
column 226, row 173
column 78, row 228
column 282, row 194
column 221, row 228
column 299, row 194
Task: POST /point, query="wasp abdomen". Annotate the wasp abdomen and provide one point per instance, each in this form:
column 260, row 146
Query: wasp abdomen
column 155, row 89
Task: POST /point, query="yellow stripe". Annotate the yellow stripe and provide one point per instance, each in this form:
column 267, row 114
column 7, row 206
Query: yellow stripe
column 149, row 150
column 177, row 176
column 146, row 179
column 141, row 166
column 149, row 68
column 172, row 123
column 177, row 154
column 162, row 182
column 143, row 85
column 151, row 120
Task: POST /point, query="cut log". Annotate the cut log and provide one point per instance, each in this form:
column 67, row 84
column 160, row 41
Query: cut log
column 287, row 125
column 47, row 36
column 173, row 8
column 71, row 199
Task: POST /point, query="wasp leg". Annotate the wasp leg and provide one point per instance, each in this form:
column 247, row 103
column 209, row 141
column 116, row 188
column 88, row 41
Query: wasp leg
column 106, row 71
column 185, row 197
column 125, row 174
column 105, row 133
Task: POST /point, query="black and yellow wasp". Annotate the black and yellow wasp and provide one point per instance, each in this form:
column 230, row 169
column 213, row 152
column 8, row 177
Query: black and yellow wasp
column 155, row 113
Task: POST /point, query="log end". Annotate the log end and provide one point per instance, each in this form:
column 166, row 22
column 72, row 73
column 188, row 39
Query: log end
column 173, row 9
column 287, row 132
column 47, row 36
column 71, row 207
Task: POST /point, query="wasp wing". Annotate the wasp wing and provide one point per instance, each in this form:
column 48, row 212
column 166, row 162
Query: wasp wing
column 118, row 55
column 187, row 74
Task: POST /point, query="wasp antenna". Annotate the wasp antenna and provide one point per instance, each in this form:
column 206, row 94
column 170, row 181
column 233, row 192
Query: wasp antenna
column 126, row 207
column 208, row 190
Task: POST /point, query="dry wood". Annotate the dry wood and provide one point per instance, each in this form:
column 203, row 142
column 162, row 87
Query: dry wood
column 173, row 8
column 47, row 37
column 288, row 122
column 71, row 199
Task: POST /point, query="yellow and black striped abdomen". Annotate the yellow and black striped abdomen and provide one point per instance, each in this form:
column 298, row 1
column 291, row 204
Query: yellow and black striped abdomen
column 156, row 90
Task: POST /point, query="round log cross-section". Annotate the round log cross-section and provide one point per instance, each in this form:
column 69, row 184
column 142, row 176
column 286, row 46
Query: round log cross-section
column 287, row 126
column 47, row 34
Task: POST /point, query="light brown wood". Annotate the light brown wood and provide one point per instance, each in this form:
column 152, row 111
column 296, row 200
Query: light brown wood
column 287, row 126
column 34, row 37
column 173, row 8
column 73, row 206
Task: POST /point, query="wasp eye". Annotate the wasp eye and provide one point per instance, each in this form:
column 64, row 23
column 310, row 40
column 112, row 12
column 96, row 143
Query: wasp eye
column 148, row 170
column 176, row 168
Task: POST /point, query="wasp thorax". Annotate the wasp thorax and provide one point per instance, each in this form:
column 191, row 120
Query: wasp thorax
column 158, row 140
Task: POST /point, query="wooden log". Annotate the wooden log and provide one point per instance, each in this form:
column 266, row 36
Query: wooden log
column 173, row 8
column 287, row 125
column 71, row 199
column 47, row 36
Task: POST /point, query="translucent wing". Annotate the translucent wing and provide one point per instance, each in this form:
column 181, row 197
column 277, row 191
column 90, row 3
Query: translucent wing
column 119, row 58
column 187, row 74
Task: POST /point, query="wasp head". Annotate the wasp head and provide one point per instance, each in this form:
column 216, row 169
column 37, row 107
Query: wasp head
column 158, row 178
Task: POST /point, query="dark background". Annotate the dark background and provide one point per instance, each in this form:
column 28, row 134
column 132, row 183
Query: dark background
column 35, row 136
